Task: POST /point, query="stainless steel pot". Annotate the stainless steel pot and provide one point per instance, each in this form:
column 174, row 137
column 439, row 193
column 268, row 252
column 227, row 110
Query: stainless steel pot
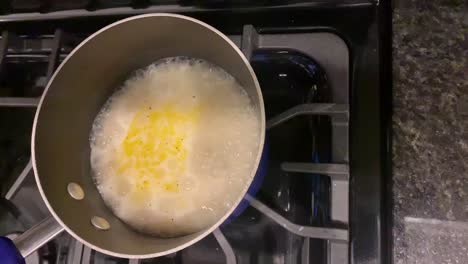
column 73, row 97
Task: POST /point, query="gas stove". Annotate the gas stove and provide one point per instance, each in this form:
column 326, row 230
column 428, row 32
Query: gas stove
column 324, row 70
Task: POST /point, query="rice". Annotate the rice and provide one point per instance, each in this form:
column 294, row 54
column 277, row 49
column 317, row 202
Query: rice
column 172, row 150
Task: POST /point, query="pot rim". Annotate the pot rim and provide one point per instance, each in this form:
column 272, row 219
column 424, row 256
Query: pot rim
column 252, row 173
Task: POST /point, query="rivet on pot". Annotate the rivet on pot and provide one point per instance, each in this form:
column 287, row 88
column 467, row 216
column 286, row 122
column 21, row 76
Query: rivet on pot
column 75, row 191
column 100, row 223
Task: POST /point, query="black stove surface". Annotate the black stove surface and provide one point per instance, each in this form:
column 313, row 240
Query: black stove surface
column 288, row 78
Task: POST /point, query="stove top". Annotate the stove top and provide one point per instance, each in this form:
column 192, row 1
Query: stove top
column 323, row 70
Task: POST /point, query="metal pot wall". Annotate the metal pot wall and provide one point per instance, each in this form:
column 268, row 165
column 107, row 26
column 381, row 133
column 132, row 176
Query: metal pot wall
column 73, row 97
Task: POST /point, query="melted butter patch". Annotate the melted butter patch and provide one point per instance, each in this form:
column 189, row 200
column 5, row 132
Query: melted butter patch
column 154, row 150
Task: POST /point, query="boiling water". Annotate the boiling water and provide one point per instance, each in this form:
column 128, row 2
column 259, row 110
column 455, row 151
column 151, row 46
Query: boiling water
column 173, row 149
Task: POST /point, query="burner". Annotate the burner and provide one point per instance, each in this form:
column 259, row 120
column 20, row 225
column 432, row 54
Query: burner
column 318, row 66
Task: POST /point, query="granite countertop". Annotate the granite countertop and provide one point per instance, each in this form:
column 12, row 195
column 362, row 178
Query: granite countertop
column 430, row 127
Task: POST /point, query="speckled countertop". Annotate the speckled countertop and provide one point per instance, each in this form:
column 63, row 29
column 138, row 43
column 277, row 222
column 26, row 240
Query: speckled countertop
column 430, row 126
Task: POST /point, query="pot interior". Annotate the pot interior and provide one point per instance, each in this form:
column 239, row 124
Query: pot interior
column 77, row 92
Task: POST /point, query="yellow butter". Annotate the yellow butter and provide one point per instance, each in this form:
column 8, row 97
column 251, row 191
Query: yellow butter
column 154, row 150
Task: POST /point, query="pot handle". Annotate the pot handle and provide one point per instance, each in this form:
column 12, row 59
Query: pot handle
column 36, row 236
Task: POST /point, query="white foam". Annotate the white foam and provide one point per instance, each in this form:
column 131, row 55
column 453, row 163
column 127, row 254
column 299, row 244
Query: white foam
column 221, row 146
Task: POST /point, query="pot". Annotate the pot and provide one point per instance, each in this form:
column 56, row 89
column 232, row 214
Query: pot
column 72, row 99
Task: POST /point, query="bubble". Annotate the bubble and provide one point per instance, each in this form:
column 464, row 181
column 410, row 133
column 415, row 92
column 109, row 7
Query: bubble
column 220, row 148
